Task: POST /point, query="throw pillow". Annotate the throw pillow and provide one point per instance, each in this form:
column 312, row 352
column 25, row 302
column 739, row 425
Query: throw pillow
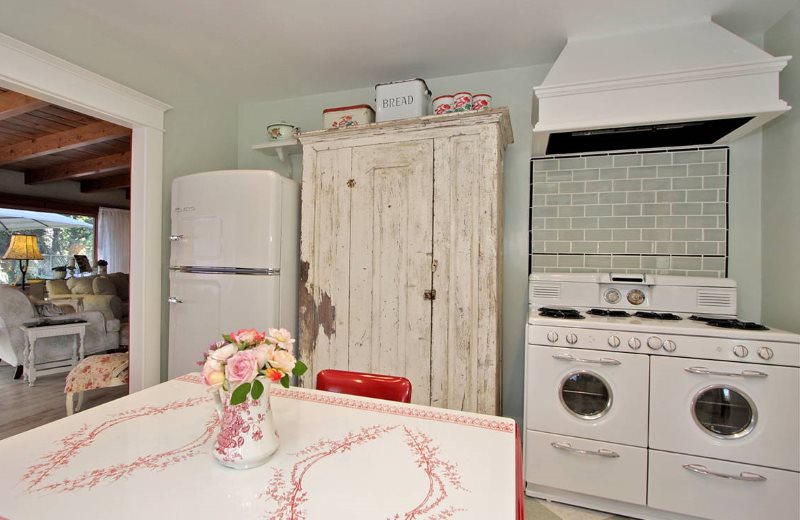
column 102, row 285
column 80, row 285
column 57, row 288
column 46, row 310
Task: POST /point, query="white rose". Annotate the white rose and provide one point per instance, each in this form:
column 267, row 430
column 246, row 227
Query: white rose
column 263, row 354
column 223, row 353
column 282, row 337
column 282, row 360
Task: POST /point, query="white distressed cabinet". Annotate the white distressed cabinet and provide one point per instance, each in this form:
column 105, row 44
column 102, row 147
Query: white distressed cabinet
column 401, row 254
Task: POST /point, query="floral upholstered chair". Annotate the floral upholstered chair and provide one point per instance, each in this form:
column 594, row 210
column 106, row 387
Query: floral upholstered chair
column 94, row 372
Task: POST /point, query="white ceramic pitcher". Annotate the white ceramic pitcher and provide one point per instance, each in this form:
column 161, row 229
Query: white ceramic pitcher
column 247, row 436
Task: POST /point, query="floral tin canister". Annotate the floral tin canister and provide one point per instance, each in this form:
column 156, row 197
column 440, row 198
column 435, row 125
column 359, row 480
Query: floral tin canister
column 481, row 101
column 462, row 101
column 344, row 117
column 443, row 104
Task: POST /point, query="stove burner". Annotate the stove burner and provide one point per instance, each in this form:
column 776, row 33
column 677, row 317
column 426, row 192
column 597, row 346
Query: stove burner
column 657, row 316
column 729, row 323
column 568, row 314
column 609, row 313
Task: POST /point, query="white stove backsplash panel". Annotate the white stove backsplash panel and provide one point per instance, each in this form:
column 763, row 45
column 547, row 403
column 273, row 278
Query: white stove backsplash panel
column 659, row 212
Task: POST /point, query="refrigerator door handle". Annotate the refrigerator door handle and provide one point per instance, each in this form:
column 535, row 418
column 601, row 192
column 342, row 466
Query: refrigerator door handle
column 252, row 271
column 173, row 299
column 175, row 238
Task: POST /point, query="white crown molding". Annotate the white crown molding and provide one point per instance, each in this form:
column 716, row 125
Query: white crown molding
column 32, row 71
column 662, row 78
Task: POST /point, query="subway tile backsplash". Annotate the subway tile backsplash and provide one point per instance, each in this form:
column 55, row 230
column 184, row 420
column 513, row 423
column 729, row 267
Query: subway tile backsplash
column 656, row 212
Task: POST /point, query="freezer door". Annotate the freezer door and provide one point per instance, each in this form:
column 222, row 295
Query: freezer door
column 227, row 219
column 204, row 306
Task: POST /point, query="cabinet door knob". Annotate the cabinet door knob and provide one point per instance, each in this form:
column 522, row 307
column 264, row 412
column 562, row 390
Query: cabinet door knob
column 429, row 295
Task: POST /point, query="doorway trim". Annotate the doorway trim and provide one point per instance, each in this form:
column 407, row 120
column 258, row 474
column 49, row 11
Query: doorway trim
column 33, row 72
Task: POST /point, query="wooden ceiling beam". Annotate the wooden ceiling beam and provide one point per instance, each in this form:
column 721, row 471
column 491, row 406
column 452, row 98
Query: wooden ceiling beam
column 14, row 104
column 113, row 182
column 61, row 141
column 76, row 170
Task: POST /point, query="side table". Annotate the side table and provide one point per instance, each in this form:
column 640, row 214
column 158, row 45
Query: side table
column 35, row 332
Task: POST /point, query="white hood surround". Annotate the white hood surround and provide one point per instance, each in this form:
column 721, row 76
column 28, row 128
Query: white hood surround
column 701, row 74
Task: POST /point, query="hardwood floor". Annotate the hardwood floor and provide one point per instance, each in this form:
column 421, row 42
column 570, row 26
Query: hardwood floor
column 23, row 408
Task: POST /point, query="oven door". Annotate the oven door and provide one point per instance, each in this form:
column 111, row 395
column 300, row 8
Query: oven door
column 587, row 393
column 732, row 411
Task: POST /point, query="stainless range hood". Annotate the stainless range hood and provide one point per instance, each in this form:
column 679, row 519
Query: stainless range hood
column 688, row 85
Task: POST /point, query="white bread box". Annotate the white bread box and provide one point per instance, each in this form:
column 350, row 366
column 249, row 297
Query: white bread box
column 402, row 99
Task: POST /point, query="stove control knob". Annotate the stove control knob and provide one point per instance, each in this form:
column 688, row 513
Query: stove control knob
column 613, row 342
column 670, row 346
column 572, row 338
column 765, row 353
column 654, row 342
column 740, row 351
column 634, row 343
column 552, row 336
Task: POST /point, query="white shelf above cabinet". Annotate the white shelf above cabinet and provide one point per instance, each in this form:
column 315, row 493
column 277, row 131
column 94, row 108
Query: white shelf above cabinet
column 282, row 148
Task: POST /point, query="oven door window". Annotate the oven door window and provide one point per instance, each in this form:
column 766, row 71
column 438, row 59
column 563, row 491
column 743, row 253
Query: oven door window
column 585, row 395
column 724, row 412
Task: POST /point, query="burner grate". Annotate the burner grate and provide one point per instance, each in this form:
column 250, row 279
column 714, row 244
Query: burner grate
column 730, row 323
column 568, row 314
column 667, row 316
column 609, row 313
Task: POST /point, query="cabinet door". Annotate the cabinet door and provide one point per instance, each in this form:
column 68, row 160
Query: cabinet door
column 391, row 247
column 467, row 239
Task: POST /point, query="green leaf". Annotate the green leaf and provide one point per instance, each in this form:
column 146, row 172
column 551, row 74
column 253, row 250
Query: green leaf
column 227, row 338
column 226, row 386
column 299, row 368
column 285, row 381
column 258, row 389
column 239, row 395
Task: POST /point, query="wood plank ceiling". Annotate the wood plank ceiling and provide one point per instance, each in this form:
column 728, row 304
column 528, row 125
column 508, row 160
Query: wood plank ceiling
column 50, row 144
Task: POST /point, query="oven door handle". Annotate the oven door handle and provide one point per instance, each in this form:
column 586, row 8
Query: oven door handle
column 602, row 452
column 744, row 475
column 743, row 373
column 601, row 361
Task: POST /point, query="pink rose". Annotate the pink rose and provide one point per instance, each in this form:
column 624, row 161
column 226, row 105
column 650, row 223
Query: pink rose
column 251, row 336
column 282, row 360
column 242, row 367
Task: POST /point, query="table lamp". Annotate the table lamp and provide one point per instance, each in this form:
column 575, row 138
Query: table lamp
column 23, row 248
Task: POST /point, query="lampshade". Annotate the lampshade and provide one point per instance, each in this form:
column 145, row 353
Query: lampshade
column 23, row 247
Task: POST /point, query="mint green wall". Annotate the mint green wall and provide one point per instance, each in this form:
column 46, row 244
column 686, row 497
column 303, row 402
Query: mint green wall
column 512, row 88
column 200, row 130
column 781, row 187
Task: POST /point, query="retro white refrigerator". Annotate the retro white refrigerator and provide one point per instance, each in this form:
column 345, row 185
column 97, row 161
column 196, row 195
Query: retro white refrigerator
column 233, row 259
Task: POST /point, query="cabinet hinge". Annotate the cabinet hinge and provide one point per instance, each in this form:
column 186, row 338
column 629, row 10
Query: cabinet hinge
column 430, row 295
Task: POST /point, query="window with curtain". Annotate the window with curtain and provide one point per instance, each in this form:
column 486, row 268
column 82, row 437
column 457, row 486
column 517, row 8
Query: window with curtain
column 114, row 238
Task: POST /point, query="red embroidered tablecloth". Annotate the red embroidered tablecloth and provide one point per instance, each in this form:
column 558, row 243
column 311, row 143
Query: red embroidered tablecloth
column 149, row 456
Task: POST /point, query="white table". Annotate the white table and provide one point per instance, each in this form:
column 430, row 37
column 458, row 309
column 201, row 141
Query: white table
column 148, row 455
column 77, row 330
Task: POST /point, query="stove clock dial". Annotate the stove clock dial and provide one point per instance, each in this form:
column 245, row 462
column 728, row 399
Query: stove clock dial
column 613, row 341
column 654, row 342
column 740, row 351
column 612, row 296
column 765, row 353
column 670, row 346
column 634, row 343
column 552, row 336
column 635, row 297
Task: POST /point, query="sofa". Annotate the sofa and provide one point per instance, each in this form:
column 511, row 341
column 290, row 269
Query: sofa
column 106, row 293
column 16, row 308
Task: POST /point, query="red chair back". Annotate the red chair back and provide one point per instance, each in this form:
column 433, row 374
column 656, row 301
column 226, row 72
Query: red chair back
column 391, row 388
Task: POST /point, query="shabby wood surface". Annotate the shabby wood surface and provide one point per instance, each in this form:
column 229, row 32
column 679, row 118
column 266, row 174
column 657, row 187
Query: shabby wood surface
column 23, row 407
column 423, row 211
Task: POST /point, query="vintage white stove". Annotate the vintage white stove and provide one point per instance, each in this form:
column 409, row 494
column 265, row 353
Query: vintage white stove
column 645, row 396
